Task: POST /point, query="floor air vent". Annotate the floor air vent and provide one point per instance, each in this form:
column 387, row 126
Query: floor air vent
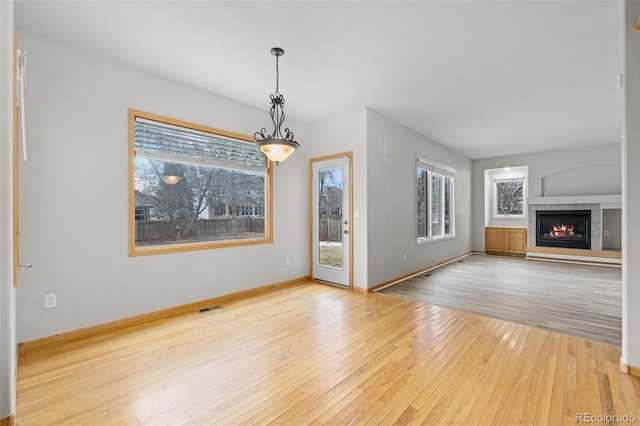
column 210, row 308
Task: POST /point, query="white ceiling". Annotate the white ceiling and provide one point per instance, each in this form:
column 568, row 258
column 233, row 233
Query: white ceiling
column 485, row 78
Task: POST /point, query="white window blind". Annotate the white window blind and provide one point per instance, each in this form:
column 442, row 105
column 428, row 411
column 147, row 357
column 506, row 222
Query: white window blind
column 432, row 166
column 515, row 180
column 161, row 141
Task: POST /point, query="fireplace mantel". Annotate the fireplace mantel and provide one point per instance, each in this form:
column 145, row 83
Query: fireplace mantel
column 607, row 201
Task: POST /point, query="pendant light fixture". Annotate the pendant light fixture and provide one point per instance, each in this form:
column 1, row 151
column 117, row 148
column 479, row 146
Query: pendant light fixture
column 276, row 146
column 171, row 179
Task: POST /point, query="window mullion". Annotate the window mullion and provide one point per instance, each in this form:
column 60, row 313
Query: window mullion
column 429, row 205
column 452, row 213
column 442, row 209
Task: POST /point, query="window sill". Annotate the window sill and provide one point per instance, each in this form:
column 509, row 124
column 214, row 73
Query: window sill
column 422, row 241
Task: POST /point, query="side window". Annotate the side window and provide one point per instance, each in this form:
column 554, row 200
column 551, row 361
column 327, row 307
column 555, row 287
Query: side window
column 509, row 196
column 509, row 193
column 434, row 200
column 193, row 187
column 422, row 202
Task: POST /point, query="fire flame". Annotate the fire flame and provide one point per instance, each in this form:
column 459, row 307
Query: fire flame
column 562, row 231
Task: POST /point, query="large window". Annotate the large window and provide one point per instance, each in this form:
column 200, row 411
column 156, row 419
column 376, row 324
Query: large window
column 193, row 187
column 434, row 200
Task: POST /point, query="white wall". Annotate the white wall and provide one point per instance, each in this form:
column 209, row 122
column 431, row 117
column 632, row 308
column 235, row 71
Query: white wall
column 612, row 225
column 391, row 202
column 74, row 198
column 630, row 193
column 593, row 179
column 7, row 291
column 543, row 167
column 344, row 133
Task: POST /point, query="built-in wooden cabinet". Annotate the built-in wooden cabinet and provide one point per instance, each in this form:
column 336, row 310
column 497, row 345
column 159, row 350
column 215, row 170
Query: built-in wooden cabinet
column 509, row 241
column 494, row 239
column 516, row 241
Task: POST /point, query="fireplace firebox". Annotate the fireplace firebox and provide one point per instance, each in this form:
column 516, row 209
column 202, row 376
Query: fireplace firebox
column 563, row 228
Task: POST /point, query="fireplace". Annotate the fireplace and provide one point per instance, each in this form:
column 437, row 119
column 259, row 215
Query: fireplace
column 563, row 228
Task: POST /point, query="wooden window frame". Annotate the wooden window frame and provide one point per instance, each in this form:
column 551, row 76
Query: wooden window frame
column 189, row 246
column 16, row 165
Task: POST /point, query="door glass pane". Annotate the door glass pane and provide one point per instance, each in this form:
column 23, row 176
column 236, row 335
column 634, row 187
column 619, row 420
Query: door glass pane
column 330, row 224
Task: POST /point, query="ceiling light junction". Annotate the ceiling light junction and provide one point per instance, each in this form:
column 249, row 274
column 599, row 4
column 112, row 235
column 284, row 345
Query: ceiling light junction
column 276, row 146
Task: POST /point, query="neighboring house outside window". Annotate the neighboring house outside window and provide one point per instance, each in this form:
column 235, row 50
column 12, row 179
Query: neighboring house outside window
column 143, row 212
column 331, row 200
column 434, row 200
column 194, row 187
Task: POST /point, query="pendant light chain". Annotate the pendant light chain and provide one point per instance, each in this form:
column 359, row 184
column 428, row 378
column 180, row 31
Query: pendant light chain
column 277, row 76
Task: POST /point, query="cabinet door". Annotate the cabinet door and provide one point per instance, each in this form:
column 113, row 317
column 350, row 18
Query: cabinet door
column 516, row 241
column 494, row 240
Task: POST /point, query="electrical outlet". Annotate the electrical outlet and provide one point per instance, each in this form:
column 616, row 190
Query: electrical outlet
column 287, row 261
column 405, row 257
column 49, row 301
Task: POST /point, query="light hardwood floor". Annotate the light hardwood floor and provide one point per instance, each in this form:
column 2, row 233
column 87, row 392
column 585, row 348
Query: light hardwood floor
column 315, row 354
column 572, row 298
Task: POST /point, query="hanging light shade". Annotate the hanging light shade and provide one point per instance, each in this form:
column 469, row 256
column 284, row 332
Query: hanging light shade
column 277, row 146
column 170, row 179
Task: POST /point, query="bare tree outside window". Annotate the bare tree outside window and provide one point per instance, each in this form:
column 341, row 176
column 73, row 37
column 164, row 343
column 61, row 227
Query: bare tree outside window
column 448, row 205
column 186, row 206
column 328, row 182
column 421, row 204
column 330, row 186
column 194, row 187
column 509, row 196
column 436, row 205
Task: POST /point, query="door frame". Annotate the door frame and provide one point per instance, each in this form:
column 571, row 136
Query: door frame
column 349, row 155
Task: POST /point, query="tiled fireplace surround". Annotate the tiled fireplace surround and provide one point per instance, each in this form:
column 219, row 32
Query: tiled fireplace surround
column 595, row 203
column 596, row 220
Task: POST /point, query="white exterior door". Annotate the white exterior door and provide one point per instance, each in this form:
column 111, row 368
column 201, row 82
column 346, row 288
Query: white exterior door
column 331, row 241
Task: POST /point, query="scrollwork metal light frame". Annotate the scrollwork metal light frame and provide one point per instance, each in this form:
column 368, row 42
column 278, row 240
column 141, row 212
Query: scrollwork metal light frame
column 276, row 141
